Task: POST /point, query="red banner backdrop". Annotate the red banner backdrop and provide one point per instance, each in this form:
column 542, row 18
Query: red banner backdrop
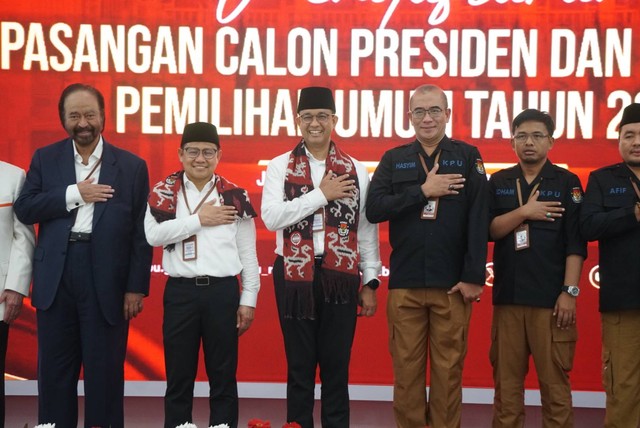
column 239, row 65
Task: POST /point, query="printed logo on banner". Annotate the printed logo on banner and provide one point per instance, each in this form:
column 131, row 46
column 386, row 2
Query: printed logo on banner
column 594, row 276
column 488, row 280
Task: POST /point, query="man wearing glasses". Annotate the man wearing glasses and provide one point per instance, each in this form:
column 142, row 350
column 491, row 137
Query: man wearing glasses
column 314, row 198
column 537, row 259
column 205, row 224
column 433, row 192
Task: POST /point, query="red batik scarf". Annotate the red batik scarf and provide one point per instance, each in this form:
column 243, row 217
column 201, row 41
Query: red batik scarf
column 340, row 277
column 163, row 198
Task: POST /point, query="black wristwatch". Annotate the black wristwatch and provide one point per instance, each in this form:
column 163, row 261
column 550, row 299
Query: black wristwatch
column 373, row 284
column 572, row 290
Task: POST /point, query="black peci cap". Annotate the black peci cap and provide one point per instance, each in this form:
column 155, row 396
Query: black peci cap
column 200, row 132
column 631, row 114
column 315, row 97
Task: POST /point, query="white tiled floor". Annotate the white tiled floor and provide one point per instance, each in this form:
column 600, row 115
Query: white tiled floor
column 148, row 413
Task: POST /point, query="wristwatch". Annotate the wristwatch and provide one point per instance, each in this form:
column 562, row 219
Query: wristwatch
column 373, row 284
column 573, row 290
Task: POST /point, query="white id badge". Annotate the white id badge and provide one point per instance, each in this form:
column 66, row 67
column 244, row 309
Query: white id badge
column 430, row 210
column 318, row 220
column 521, row 237
column 190, row 249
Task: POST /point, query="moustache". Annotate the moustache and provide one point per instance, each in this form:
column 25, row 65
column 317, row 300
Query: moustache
column 79, row 129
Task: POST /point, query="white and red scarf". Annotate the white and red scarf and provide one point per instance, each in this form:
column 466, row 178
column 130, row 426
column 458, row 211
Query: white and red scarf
column 163, row 198
column 340, row 277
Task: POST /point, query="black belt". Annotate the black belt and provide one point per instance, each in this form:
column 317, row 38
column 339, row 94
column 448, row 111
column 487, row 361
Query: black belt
column 200, row 281
column 79, row 237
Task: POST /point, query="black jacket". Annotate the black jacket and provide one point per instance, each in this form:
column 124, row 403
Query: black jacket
column 432, row 253
column 534, row 276
column 608, row 216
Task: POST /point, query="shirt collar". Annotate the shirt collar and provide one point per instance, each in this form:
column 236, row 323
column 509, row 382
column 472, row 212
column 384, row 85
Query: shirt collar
column 93, row 157
column 312, row 158
column 624, row 171
column 546, row 172
column 444, row 144
column 188, row 184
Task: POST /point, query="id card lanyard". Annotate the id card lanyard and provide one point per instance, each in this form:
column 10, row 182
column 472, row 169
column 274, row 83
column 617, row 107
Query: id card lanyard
column 93, row 170
column 98, row 162
column 190, row 245
column 635, row 187
column 521, row 233
column 430, row 210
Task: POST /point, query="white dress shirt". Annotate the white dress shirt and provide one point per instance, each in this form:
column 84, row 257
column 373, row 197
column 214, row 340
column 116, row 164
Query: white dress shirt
column 278, row 213
column 84, row 217
column 223, row 250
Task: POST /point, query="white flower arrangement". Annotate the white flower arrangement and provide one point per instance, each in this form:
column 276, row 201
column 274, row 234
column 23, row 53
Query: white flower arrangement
column 184, row 425
column 190, row 425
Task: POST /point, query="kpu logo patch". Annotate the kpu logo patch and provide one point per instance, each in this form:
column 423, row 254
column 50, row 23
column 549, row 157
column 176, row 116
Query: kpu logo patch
column 343, row 229
column 296, row 238
column 576, row 195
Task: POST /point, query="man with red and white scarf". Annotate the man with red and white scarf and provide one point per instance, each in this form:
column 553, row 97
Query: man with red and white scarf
column 205, row 224
column 314, row 198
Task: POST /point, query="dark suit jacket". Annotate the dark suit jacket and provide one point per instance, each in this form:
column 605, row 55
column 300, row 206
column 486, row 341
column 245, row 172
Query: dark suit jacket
column 120, row 253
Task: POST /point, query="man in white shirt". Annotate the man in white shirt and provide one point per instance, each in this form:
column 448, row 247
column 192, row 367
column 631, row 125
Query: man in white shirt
column 16, row 254
column 205, row 224
column 314, row 198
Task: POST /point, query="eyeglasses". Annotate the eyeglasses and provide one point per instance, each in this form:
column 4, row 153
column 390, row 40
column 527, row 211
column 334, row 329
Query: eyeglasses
column 194, row 152
column 536, row 137
column 420, row 113
column 322, row 118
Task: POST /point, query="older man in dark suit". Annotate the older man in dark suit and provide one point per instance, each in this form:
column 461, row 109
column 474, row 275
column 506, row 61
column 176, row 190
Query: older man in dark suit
column 91, row 263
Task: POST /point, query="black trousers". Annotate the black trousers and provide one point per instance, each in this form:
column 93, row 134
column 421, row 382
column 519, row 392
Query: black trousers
column 193, row 314
column 324, row 342
column 4, row 339
column 73, row 334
